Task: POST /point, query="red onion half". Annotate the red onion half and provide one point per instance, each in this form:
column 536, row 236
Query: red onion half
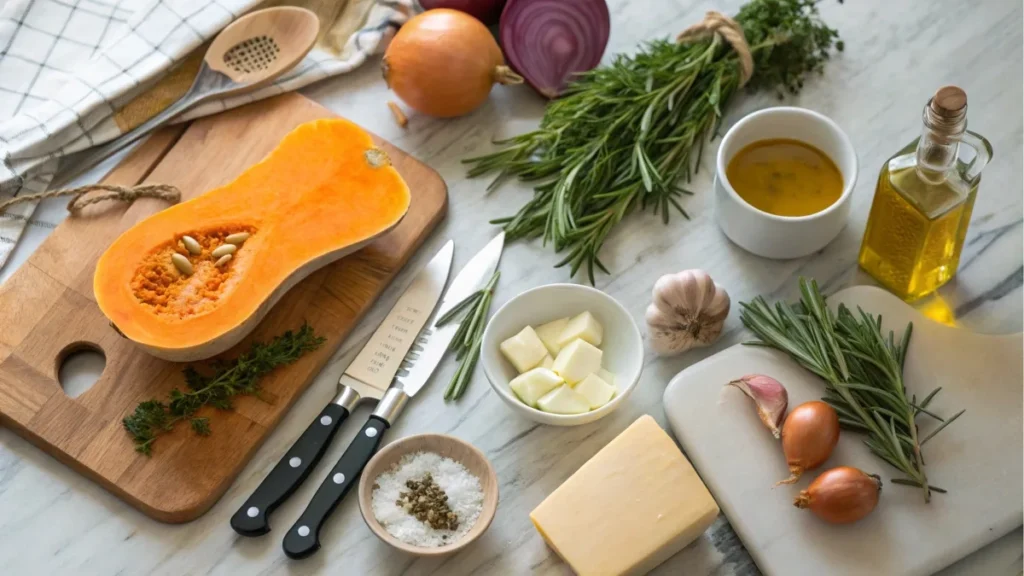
column 550, row 41
column 486, row 11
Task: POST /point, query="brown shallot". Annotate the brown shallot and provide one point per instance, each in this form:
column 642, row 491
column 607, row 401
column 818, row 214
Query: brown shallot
column 809, row 435
column 841, row 495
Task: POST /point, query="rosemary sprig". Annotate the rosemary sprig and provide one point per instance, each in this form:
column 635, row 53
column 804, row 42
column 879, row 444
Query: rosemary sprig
column 626, row 134
column 862, row 370
column 466, row 342
column 230, row 378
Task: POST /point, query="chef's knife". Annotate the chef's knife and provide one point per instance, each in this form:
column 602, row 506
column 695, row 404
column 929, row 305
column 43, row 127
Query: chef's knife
column 368, row 376
column 303, row 539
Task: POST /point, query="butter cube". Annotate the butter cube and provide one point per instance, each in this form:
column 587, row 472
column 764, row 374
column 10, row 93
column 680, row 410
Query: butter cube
column 564, row 400
column 550, row 334
column 533, row 384
column 595, row 390
column 524, row 350
column 651, row 505
column 607, row 376
column 577, row 360
column 583, row 326
column 548, row 362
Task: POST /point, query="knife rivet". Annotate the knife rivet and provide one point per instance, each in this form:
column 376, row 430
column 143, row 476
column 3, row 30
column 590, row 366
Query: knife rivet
column 326, row 420
column 295, row 462
column 303, row 531
column 339, row 478
column 371, row 432
column 252, row 512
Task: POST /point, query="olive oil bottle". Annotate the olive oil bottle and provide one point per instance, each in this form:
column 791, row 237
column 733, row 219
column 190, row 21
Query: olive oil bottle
column 923, row 202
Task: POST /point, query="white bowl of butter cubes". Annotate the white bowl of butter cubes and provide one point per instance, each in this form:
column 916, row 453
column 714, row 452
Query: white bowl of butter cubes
column 562, row 354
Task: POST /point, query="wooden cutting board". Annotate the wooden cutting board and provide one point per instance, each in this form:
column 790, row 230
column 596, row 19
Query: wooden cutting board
column 978, row 458
column 47, row 310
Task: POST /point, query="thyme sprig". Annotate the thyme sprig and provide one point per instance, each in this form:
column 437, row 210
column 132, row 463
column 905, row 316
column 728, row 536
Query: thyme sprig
column 863, row 373
column 466, row 342
column 228, row 379
column 624, row 135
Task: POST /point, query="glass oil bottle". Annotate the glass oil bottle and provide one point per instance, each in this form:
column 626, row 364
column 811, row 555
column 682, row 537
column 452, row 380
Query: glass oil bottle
column 923, row 202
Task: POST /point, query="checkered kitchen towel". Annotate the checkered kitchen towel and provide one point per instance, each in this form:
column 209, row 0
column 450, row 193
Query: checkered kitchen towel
column 76, row 73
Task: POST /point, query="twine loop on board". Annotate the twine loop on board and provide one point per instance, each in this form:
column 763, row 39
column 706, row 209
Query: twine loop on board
column 730, row 31
column 81, row 196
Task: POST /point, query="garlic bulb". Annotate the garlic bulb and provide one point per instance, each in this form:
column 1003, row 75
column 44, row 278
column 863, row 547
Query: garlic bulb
column 688, row 310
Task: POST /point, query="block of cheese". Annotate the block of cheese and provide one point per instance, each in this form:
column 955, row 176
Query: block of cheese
column 629, row 508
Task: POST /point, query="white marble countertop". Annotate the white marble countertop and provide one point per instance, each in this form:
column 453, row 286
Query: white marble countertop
column 897, row 53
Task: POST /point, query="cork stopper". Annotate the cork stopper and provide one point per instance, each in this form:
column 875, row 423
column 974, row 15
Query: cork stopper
column 949, row 102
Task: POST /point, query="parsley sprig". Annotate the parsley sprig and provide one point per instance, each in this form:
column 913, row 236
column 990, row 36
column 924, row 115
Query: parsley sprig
column 227, row 379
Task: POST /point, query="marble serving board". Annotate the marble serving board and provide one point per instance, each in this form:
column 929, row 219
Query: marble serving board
column 978, row 458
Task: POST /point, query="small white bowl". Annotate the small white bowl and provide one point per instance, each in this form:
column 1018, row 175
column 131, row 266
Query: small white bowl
column 774, row 236
column 622, row 344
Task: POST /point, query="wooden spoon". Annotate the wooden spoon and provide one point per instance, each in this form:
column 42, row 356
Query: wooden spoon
column 249, row 54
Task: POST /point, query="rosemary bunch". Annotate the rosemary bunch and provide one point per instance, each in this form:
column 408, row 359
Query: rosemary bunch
column 862, row 370
column 626, row 134
column 229, row 378
column 466, row 342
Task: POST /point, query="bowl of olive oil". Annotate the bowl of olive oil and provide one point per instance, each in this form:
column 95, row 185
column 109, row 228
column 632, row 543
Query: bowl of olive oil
column 783, row 182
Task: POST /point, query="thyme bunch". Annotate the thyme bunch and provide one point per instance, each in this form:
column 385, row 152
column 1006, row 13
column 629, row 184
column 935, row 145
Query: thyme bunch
column 862, row 370
column 466, row 342
column 625, row 135
column 228, row 379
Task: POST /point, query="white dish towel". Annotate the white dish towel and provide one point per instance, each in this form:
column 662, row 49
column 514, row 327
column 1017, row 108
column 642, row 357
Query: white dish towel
column 67, row 67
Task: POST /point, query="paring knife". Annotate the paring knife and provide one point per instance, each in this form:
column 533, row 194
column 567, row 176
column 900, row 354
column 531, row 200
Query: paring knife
column 303, row 538
column 368, row 376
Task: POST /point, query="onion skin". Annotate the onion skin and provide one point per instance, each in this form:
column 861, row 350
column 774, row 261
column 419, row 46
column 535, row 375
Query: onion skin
column 443, row 63
column 551, row 41
column 841, row 495
column 809, row 435
column 486, row 11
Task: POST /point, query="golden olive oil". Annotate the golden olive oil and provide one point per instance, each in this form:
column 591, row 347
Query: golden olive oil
column 923, row 203
column 785, row 177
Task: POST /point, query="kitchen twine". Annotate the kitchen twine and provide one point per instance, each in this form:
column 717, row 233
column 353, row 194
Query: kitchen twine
column 730, row 31
column 111, row 192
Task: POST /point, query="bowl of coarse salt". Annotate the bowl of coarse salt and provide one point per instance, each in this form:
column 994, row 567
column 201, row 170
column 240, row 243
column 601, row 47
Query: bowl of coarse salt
column 428, row 494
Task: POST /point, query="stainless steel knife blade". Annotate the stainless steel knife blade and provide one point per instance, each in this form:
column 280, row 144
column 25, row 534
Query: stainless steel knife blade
column 435, row 340
column 374, row 368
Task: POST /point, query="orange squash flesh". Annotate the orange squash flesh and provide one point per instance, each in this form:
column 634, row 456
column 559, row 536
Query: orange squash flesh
column 323, row 193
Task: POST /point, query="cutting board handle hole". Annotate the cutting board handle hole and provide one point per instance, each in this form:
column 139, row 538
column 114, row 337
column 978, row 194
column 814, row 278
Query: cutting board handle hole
column 79, row 366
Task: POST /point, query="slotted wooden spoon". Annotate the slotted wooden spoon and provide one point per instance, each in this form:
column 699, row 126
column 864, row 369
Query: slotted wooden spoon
column 249, row 54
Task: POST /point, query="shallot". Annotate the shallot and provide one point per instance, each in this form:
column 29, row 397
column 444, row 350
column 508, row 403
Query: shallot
column 809, row 435
column 551, row 41
column 841, row 495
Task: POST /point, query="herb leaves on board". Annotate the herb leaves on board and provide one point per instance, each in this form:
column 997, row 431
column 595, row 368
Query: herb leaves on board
column 466, row 342
column 625, row 134
column 228, row 379
column 863, row 373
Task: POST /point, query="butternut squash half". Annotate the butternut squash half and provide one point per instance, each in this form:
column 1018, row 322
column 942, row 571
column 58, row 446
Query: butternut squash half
column 193, row 280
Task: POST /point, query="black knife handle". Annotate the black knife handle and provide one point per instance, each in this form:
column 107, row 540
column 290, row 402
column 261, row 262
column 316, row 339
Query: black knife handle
column 252, row 518
column 303, row 538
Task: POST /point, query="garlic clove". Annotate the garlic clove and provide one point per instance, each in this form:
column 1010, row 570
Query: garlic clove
column 769, row 396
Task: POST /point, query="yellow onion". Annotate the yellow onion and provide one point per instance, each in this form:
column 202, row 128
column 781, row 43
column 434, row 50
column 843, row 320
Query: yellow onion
column 444, row 62
column 841, row 495
column 809, row 435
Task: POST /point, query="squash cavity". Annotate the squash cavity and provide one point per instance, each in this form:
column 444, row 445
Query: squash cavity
column 167, row 287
